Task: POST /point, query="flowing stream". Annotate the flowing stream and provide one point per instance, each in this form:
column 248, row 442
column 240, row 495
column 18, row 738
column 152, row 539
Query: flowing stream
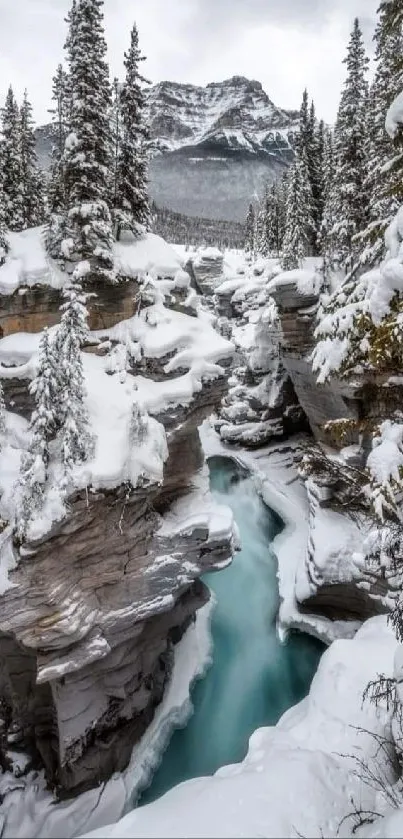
column 254, row 677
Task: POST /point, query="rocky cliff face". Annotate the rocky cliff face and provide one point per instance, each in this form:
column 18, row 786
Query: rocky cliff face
column 261, row 404
column 216, row 145
column 342, row 577
column 93, row 607
column 273, row 392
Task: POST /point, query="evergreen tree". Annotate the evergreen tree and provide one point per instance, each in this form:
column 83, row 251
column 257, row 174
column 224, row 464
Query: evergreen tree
column 2, row 411
column 11, row 161
column 282, row 191
column 131, row 204
column 350, row 159
column 262, row 225
column 273, row 219
column 87, row 225
column 61, row 96
column 75, row 436
column 329, row 200
column 32, row 186
column 299, row 220
column 308, row 151
column 43, row 427
column 250, row 231
column 320, row 143
column 4, row 243
column 384, row 181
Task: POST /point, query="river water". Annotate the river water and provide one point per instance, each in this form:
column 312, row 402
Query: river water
column 254, row 677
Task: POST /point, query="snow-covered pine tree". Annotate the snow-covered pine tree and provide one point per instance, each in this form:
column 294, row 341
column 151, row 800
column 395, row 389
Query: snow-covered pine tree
column 282, row 192
column 307, row 149
column 32, row 185
column 384, row 182
column 88, row 234
column 2, row 412
column 299, row 225
column 272, row 220
column 131, row 202
column 329, row 205
column 75, row 436
column 261, row 224
column 4, row 243
column 61, row 96
column 351, row 202
column 43, row 427
column 11, row 161
column 320, row 142
column 250, row 231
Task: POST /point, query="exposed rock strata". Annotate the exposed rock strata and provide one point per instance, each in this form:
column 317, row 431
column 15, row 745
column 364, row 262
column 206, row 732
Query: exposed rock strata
column 261, row 404
column 96, row 605
column 341, row 579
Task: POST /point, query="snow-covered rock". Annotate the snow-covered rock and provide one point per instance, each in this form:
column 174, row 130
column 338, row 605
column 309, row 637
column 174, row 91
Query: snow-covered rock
column 107, row 579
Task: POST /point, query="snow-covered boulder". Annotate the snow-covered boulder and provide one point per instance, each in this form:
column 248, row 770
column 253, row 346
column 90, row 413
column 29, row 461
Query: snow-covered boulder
column 207, row 267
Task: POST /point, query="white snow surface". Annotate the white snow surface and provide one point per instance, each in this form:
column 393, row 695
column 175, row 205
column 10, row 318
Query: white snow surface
column 307, row 280
column 28, row 264
column 298, row 777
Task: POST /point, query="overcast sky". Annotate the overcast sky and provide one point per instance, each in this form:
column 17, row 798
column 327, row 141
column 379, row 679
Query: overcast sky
column 285, row 44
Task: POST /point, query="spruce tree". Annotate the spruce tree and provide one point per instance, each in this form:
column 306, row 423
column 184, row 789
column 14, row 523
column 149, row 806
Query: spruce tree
column 329, row 202
column 86, row 162
column 250, row 231
column 61, row 96
column 11, row 160
column 4, row 243
column 75, row 435
column 299, row 220
column 32, row 186
column 131, row 204
column 320, row 151
column 262, row 225
column 308, row 151
column 273, row 219
column 384, row 182
column 350, row 153
column 43, row 428
column 2, row 412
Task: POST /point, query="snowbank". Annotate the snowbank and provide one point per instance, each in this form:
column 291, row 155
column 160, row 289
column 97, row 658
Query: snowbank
column 150, row 254
column 28, row 264
column 307, row 281
column 298, row 778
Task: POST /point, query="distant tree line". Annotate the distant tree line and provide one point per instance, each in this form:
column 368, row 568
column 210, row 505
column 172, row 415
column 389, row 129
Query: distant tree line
column 193, row 230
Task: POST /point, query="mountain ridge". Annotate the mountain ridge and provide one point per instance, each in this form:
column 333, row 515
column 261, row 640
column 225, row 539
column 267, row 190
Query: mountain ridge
column 215, row 146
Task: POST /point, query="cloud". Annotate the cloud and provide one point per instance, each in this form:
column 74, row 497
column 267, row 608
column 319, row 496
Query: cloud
column 285, row 44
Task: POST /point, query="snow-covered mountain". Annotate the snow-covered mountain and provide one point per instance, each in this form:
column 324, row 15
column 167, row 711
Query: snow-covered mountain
column 216, row 146
column 235, row 114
